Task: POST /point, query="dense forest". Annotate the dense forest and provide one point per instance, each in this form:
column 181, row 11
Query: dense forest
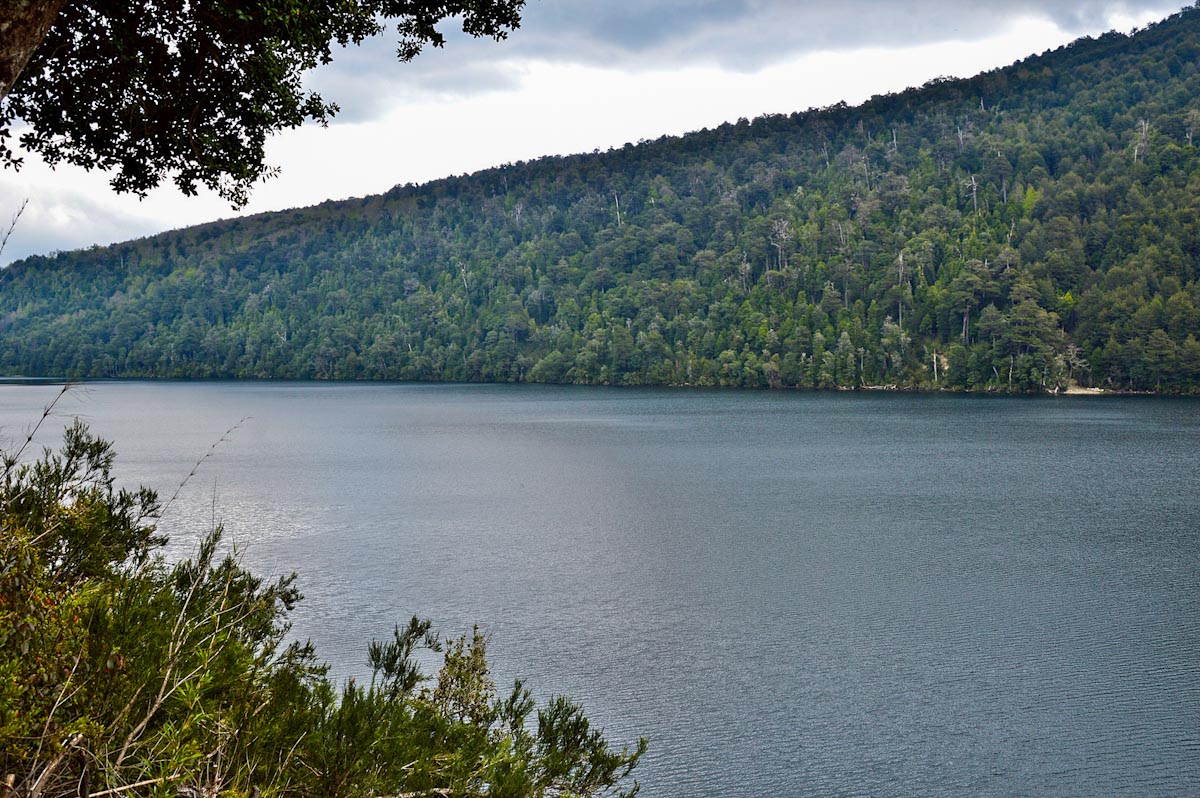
column 1022, row 230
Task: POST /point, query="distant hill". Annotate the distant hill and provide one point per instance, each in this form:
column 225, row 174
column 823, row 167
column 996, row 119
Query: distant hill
column 1031, row 226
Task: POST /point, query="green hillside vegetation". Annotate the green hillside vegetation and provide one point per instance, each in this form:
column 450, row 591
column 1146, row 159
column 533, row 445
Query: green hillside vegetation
column 1016, row 231
column 123, row 674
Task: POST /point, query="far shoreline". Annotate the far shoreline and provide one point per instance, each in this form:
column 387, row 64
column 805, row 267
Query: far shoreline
column 1073, row 389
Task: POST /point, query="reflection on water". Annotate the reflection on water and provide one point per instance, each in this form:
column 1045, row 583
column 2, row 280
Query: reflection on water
column 789, row 593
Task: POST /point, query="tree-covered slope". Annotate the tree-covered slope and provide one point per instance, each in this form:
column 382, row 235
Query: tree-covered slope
column 1014, row 231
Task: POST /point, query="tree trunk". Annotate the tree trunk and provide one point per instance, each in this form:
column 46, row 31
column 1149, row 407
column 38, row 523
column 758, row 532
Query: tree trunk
column 23, row 26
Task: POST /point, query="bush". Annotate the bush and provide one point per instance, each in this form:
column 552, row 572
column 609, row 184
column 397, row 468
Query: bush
column 122, row 673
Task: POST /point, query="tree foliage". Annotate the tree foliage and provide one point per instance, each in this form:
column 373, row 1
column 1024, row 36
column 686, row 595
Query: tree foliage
column 1029, row 227
column 153, row 89
column 121, row 673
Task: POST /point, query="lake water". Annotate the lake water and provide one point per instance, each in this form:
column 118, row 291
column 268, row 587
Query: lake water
column 790, row 594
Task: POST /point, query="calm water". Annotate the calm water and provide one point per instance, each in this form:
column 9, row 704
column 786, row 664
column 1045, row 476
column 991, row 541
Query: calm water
column 790, row 594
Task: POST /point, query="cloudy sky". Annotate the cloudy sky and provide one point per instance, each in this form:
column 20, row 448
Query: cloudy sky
column 578, row 75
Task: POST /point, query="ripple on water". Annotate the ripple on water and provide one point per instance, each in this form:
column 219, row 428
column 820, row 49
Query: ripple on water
column 789, row 594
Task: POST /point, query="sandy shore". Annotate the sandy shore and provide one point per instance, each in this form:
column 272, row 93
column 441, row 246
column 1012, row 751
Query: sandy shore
column 1078, row 390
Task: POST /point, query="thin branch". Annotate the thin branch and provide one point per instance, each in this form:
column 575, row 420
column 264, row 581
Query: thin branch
column 196, row 468
column 181, row 635
column 128, row 787
column 40, row 783
column 46, row 411
column 63, row 695
column 12, row 225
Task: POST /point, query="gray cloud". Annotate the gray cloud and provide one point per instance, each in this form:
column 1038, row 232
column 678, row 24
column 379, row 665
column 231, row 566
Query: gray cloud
column 64, row 220
column 743, row 35
column 366, row 81
column 749, row 34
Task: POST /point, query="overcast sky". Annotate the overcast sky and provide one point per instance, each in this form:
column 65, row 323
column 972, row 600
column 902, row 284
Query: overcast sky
column 578, row 75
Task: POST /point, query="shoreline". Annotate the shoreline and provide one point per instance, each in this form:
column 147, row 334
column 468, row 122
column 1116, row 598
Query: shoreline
column 1079, row 390
column 1071, row 390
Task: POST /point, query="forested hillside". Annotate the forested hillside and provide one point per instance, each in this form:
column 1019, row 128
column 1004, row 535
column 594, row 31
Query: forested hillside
column 1016, row 231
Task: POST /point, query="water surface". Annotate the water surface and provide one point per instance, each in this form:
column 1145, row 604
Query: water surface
column 790, row 594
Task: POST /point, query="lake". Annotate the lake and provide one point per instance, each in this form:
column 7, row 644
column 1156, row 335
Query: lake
column 788, row 593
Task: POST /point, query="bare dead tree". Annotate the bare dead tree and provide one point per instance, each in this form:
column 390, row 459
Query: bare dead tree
column 780, row 237
column 972, row 186
column 1140, row 146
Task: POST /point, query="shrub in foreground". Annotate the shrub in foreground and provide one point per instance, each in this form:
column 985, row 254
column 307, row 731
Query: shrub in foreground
column 124, row 674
